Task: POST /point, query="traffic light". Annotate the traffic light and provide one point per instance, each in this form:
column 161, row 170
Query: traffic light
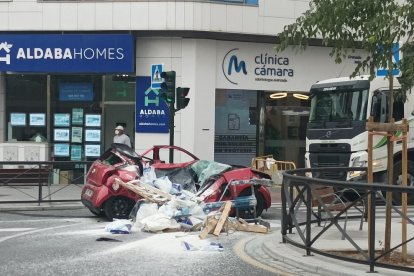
column 182, row 100
column 168, row 86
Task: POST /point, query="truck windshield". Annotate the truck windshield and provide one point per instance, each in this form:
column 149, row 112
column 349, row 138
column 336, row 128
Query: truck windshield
column 338, row 106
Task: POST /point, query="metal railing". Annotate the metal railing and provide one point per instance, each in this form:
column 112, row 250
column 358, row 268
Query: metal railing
column 42, row 182
column 240, row 2
column 301, row 221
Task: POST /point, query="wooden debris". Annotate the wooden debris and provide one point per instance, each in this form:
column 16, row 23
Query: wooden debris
column 145, row 191
column 242, row 225
column 210, row 225
column 223, row 218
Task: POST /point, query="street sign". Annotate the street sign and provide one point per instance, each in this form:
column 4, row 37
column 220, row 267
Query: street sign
column 396, row 57
column 156, row 80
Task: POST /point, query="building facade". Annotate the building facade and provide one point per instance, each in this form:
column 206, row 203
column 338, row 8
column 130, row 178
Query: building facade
column 70, row 71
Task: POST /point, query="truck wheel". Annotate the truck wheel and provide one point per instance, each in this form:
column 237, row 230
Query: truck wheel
column 397, row 197
column 118, row 207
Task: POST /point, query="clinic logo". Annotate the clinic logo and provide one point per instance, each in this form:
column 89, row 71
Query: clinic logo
column 4, row 46
column 233, row 65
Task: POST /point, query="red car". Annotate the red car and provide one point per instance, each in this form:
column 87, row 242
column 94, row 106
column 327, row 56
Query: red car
column 103, row 196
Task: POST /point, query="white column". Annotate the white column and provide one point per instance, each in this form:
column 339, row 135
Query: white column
column 199, row 73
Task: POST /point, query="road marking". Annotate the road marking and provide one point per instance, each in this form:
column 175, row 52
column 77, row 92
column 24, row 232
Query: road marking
column 239, row 251
column 34, row 220
column 35, row 231
column 15, row 229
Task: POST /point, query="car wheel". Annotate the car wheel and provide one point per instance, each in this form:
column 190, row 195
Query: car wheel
column 118, row 207
column 397, row 197
column 260, row 206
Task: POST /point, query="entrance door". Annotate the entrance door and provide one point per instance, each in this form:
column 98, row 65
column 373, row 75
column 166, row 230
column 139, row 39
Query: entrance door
column 285, row 120
column 119, row 114
column 119, row 106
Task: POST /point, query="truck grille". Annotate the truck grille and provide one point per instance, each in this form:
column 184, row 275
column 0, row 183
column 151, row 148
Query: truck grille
column 329, row 160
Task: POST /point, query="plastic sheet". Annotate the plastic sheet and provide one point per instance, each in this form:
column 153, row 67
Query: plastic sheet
column 205, row 169
column 184, row 176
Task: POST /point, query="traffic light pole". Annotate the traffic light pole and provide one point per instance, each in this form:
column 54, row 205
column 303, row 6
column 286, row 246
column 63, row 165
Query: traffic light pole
column 172, row 115
column 171, row 95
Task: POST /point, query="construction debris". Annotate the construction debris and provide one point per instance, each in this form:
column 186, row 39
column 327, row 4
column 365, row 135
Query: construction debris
column 160, row 211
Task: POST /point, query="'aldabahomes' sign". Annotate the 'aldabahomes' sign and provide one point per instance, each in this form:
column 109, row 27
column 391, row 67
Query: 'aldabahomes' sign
column 67, row 53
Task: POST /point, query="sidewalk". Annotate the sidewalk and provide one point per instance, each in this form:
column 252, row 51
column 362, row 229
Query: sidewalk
column 31, row 193
column 294, row 260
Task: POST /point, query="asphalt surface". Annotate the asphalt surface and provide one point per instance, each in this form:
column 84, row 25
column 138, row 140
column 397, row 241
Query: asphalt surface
column 64, row 242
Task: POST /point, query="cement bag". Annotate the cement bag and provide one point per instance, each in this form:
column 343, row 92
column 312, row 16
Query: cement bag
column 163, row 183
column 148, row 175
column 119, row 226
column 145, row 210
column 159, row 222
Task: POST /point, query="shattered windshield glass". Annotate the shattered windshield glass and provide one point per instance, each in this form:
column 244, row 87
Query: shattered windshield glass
column 339, row 106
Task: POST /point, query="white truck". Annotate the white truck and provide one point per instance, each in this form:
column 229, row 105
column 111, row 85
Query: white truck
column 336, row 134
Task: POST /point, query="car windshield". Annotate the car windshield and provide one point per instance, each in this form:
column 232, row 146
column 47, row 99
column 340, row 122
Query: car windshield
column 338, row 106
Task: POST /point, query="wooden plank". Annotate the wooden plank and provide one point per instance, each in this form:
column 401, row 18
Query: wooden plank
column 223, row 218
column 211, row 223
column 153, row 195
column 373, row 126
column 252, row 228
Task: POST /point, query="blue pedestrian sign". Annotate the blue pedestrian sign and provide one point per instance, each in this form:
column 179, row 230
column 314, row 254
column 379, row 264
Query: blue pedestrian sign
column 156, row 80
column 396, row 57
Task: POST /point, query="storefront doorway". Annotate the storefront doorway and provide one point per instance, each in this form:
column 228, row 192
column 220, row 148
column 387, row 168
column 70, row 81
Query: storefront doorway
column 118, row 114
column 255, row 123
column 119, row 106
column 285, row 119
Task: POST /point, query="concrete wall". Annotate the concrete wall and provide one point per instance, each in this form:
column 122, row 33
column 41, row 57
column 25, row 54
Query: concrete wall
column 266, row 19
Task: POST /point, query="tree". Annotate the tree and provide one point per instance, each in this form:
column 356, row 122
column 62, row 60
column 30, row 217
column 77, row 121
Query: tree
column 374, row 26
column 346, row 25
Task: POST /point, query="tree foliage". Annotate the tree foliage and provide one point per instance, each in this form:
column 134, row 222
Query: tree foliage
column 347, row 25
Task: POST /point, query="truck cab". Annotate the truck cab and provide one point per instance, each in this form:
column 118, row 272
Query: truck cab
column 336, row 134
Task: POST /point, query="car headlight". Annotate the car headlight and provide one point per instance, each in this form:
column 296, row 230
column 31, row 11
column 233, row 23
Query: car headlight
column 115, row 186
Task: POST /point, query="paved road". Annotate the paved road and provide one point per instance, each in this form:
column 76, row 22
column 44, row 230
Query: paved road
column 64, row 242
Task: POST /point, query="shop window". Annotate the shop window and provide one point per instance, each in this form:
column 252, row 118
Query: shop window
column 235, row 126
column 120, row 88
column 26, row 100
column 76, row 127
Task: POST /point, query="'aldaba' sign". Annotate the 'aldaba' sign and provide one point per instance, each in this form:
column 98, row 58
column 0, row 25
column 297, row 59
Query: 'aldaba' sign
column 67, row 53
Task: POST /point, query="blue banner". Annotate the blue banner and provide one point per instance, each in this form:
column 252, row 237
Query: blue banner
column 75, row 91
column 152, row 112
column 72, row 53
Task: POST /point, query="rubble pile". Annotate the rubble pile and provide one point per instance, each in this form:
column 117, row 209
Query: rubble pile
column 181, row 210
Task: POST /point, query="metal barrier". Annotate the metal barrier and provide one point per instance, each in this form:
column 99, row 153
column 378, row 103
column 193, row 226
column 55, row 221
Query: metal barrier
column 46, row 181
column 299, row 215
column 272, row 167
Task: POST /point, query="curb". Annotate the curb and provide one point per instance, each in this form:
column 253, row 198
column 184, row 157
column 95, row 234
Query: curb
column 21, row 207
column 317, row 264
column 296, row 262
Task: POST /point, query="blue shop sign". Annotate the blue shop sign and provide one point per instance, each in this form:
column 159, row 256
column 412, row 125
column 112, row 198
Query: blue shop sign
column 152, row 113
column 72, row 53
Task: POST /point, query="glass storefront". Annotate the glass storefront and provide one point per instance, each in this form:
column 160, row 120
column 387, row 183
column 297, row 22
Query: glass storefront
column 255, row 123
column 26, row 102
column 235, row 126
column 66, row 111
column 285, row 119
